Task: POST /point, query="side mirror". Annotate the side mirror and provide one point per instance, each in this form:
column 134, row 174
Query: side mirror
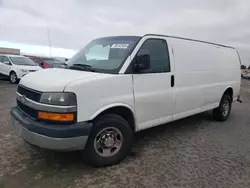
column 142, row 62
column 7, row 63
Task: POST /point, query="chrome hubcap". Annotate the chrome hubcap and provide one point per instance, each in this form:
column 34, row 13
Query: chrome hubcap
column 108, row 142
column 13, row 77
column 226, row 107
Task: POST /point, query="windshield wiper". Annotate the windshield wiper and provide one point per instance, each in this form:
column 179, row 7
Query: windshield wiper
column 82, row 67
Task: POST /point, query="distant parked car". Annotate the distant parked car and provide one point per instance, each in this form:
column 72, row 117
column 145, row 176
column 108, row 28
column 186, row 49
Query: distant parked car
column 15, row 66
column 246, row 75
column 243, row 74
column 46, row 62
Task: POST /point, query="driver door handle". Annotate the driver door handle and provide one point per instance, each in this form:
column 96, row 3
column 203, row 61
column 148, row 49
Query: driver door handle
column 172, row 80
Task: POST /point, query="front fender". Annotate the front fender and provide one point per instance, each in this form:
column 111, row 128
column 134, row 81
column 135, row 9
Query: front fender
column 111, row 106
column 99, row 93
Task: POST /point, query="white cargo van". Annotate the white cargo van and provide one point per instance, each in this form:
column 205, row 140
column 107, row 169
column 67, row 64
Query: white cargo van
column 116, row 86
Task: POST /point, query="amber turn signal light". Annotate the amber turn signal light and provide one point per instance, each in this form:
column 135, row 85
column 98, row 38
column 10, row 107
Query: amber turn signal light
column 55, row 117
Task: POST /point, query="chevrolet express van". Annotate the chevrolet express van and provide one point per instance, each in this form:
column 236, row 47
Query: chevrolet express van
column 116, row 86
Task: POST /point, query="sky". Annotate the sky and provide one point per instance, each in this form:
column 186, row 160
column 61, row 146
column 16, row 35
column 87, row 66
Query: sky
column 73, row 23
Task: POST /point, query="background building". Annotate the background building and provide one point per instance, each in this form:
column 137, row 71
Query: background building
column 12, row 51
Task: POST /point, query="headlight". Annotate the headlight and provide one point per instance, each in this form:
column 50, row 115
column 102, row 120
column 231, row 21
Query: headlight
column 24, row 70
column 61, row 99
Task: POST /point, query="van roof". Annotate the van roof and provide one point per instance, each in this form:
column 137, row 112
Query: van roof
column 195, row 40
column 160, row 35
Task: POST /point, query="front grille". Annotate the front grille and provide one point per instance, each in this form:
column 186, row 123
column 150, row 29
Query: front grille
column 29, row 93
column 27, row 110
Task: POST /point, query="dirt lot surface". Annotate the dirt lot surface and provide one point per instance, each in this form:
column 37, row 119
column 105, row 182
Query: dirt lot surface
column 193, row 152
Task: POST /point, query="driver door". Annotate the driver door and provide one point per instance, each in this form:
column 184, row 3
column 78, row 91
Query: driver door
column 6, row 66
column 153, row 87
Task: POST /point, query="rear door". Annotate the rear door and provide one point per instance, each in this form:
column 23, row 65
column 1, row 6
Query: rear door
column 154, row 87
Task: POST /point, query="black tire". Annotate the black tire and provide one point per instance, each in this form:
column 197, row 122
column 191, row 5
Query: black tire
column 109, row 120
column 12, row 80
column 219, row 113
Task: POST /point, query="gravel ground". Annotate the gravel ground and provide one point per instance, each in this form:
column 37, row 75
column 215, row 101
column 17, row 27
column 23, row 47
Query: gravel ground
column 193, row 152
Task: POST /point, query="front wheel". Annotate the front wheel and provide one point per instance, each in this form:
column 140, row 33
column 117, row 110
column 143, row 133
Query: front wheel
column 109, row 142
column 223, row 111
column 13, row 78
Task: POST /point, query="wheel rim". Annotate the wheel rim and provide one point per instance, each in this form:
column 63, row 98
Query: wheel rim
column 226, row 108
column 13, row 77
column 108, row 142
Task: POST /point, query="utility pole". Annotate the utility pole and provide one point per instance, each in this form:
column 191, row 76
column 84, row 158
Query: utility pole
column 49, row 42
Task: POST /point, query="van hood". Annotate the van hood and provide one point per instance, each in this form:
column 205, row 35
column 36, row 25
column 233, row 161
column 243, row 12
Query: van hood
column 55, row 79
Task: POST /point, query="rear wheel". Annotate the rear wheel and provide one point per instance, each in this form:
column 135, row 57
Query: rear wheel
column 223, row 111
column 109, row 142
column 13, row 78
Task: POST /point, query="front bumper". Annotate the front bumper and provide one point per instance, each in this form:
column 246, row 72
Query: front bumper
column 63, row 137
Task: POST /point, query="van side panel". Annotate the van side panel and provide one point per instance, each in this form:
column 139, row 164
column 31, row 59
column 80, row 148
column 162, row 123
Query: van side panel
column 202, row 73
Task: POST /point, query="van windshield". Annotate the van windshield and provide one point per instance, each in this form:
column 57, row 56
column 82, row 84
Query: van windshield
column 105, row 55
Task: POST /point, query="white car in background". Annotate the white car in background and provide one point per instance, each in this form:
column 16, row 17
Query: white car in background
column 16, row 66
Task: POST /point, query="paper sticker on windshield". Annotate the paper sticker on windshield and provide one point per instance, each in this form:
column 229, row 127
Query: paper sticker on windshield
column 124, row 46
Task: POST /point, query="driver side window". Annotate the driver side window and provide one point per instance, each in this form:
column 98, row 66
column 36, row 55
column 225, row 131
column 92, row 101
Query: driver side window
column 1, row 59
column 6, row 61
column 157, row 50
